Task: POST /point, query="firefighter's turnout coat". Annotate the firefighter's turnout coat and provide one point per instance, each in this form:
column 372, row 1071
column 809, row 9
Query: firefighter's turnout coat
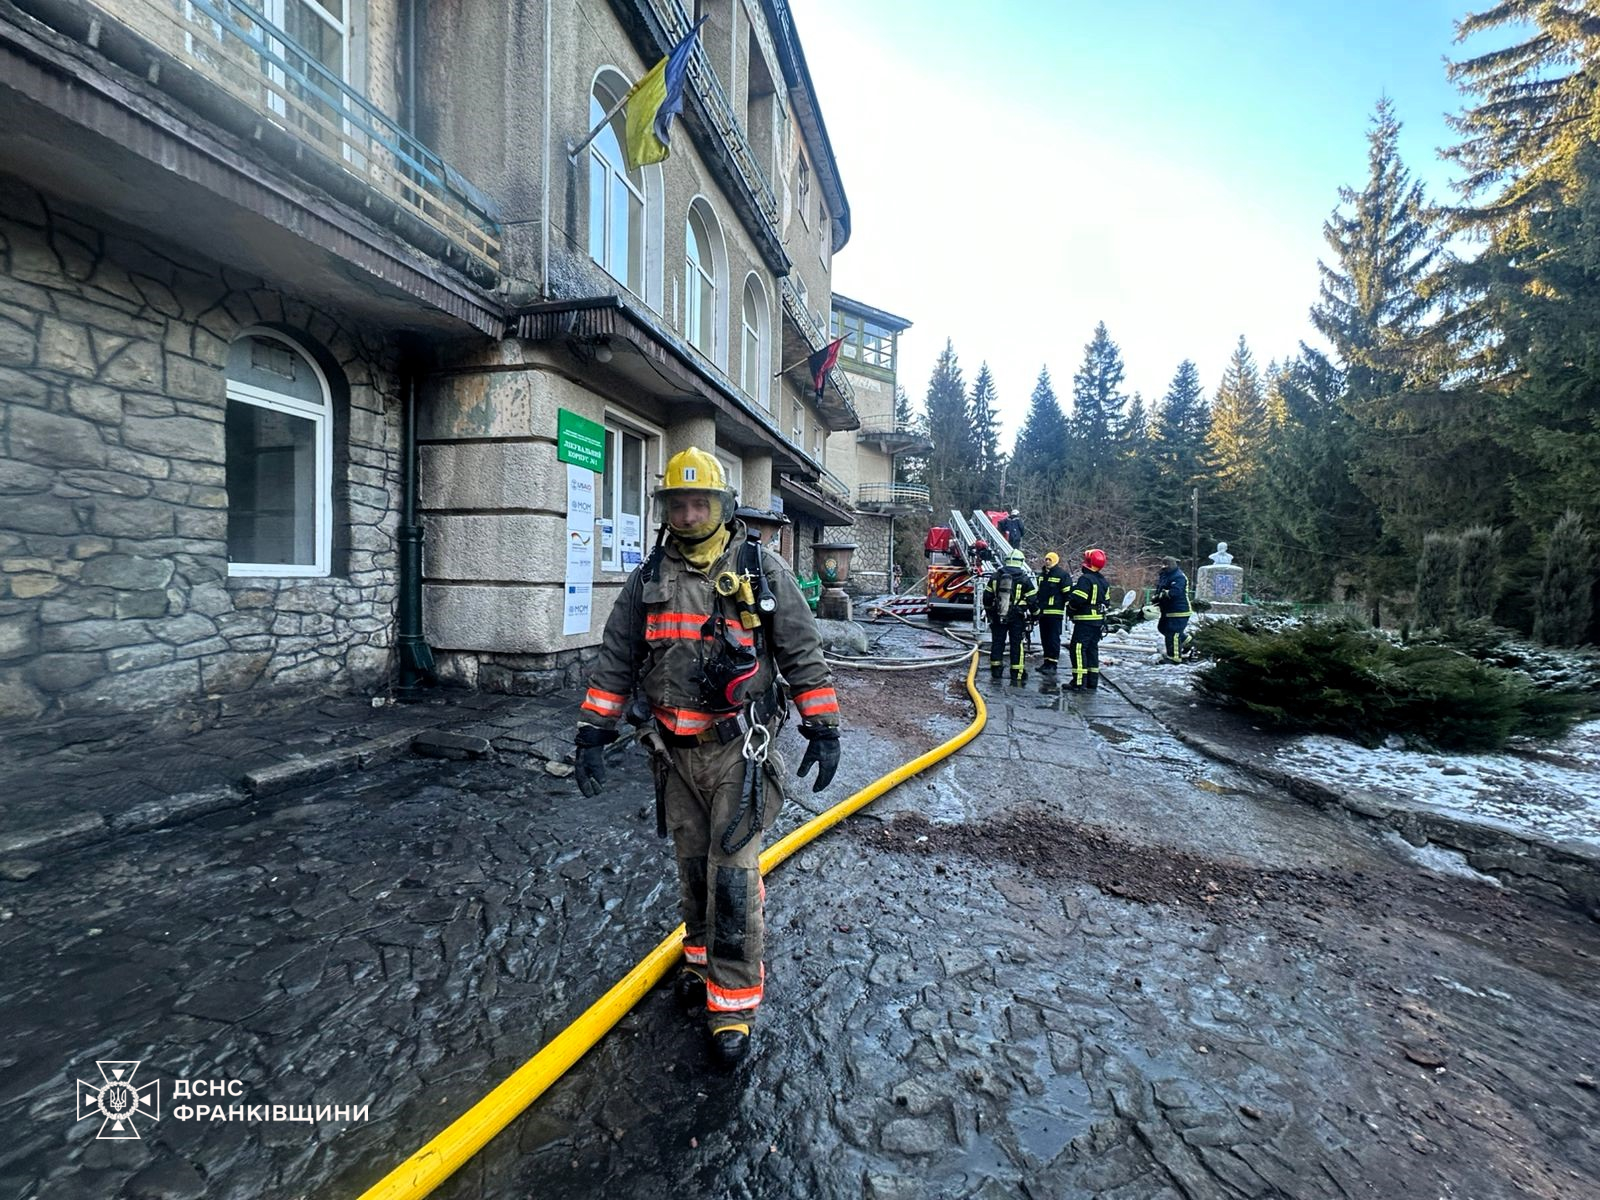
column 1051, row 604
column 1086, row 605
column 657, row 642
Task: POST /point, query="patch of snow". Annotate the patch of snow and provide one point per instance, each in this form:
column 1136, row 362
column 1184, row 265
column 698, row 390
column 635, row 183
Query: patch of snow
column 1438, row 859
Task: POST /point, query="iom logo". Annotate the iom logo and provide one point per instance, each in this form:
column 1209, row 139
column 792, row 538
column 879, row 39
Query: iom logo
column 118, row 1100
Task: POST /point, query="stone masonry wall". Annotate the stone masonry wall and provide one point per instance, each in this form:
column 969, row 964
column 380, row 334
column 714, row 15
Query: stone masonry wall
column 869, row 565
column 114, row 587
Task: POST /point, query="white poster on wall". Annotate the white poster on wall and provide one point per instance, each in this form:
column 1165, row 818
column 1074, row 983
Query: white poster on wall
column 580, row 550
column 631, row 542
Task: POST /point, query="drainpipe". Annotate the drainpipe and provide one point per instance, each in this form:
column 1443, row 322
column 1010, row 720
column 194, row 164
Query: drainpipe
column 416, row 658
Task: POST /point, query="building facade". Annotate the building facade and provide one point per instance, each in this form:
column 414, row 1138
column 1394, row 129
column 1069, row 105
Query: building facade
column 289, row 287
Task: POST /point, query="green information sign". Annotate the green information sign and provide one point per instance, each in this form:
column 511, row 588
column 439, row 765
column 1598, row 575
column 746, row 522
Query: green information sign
column 580, row 441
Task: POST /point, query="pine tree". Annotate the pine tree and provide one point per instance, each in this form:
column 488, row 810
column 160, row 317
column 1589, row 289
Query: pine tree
column 1096, row 404
column 1478, row 580
column 950, row 462
column 1177, row 447
column 908, row 467
column 1238, row 421
column 1565, row 600
column 984, row 419
column 1437, row 568
column 1039, row 454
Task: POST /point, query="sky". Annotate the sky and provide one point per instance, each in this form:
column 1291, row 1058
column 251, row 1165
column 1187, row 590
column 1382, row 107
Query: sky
column 1020, row 170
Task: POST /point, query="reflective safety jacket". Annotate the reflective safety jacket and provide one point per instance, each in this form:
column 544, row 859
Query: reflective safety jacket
column 1089, row 597
column 1008, row 594
column 656, row 641
column 1052, row 597
column 1172, row 593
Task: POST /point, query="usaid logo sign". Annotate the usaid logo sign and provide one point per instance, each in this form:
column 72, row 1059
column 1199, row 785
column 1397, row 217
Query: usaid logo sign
column 118, row 1100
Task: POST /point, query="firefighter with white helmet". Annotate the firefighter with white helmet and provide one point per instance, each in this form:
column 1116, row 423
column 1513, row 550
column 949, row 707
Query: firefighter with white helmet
column 709, row 639
column 1007, row 595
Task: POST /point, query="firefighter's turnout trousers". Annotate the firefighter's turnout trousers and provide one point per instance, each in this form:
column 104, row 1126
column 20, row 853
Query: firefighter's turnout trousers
column 1015, row 631
column 1085, row 652
column 720, row 894
column 1050, row 635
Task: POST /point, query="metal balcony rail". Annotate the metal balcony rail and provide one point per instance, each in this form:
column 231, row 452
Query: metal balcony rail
column 909, row 495
column 703, row 75
column 832, row 486
column 817, row 335
column 235, row 47
column 903, row 429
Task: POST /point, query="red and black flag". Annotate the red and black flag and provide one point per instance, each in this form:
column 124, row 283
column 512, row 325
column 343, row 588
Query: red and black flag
column 822, row 362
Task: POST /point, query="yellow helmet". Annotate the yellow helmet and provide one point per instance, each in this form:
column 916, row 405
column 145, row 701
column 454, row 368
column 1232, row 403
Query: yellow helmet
column 1051, row 559
column 689, row 473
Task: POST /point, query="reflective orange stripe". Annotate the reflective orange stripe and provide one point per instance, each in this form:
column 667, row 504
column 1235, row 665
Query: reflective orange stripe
column 605, row 704
column 817, row 701
column 687, row 627
column 683, row 720
column 721, row 999
column 695, row 954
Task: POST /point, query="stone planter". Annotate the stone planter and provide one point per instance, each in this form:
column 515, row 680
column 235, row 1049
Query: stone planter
column 832, row 562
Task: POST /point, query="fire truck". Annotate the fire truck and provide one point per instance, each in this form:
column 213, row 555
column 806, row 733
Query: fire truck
column 959, row 555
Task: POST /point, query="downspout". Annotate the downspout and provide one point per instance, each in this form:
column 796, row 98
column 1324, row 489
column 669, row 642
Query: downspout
column 544, row 183
column 416, row 658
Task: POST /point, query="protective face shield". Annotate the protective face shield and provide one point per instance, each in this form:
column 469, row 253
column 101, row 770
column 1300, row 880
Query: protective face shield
column 694, row 499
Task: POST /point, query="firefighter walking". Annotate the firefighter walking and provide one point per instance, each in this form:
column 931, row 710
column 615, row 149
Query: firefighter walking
column 1086, row 605
column 1007, row 596
column 703, row 630
column 1050, row 603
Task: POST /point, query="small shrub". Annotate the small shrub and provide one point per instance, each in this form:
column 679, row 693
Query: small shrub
column 1478, row 576
column 1437, row 568
column 1563, row 606
column 1336, row 677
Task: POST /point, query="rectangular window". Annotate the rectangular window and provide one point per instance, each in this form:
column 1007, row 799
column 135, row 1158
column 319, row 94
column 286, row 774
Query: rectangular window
column 277, row 479
column 623, row 500
column 797, row 426
column 802, row 192
column 733, row 471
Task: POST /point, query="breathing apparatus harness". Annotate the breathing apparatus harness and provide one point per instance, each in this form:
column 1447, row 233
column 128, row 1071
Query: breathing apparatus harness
column 729, row 661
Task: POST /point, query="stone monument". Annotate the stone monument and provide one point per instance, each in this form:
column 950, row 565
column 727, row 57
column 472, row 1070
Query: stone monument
column 1221, row 584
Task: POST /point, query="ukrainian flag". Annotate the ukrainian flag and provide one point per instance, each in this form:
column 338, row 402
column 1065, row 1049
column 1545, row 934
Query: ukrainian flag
column 654, row 101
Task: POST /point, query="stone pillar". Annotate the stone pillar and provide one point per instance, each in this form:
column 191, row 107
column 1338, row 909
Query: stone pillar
column 698, row 429
column 757, row 489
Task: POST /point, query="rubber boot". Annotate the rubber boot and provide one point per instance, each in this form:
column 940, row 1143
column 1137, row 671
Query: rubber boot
column 730, row 1044
column 689, row 990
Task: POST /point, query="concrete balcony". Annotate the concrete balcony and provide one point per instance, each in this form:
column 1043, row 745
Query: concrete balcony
column 895, row 437
column 892, row 499
column 230, row 65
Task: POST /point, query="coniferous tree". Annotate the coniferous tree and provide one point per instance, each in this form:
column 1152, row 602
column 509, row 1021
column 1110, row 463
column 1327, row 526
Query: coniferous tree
column 1234, row 446
column 909, row 467
column 1564, row 603
column 1437, row 568
column 984, row 417
column 1478, row 581
column 949, row 463
column 1177, row 449
column 1530, row 302
column 1096, row 405
column 1041, row 445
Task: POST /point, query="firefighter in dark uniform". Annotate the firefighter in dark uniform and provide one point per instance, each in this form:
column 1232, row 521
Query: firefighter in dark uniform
column 702, row 631
column 1011, row 528
column 1086, row 605
column 1050, row 603
column 1172, row 598
column 1007, row 596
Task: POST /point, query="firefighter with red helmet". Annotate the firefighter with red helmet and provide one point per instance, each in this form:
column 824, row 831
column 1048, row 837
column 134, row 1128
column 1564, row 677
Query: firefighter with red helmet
column 702, row 631
column 1087, row 602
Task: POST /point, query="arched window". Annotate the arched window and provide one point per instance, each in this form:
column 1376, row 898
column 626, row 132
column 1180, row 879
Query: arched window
column 699, row 283
column 279, row 444
column 616, row 195
column 755, row 374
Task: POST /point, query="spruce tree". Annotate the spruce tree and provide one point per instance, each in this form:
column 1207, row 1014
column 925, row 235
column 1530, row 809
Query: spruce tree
column 1563, row 606
column 1039, row 454
column 984, row 418
column 1177, row 446
column 950, row 462
column 1234, row 448
column 1097, row 401
column 1437, row 568
column 1530, row 302
column 1478, row 581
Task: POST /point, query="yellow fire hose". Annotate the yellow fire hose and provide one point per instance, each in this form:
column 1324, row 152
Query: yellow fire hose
column 446, row 1153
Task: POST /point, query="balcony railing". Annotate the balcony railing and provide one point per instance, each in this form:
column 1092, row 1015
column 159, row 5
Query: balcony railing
column 896, row 437
column 831, row 486
column 703, row 76
column 816, row 334
column 233, row 46
column 892, row 495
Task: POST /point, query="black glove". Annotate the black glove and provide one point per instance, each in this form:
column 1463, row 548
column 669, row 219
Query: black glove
column 823, row 751
column 590, row 758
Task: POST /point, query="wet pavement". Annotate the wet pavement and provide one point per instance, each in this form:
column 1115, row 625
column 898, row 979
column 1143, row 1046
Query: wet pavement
column 1076, row 960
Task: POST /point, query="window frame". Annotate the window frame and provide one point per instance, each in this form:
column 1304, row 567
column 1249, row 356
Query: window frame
column 613, row 174
column 322, row 425
column 760, row 369
column 623, row 424
column 699, row 285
